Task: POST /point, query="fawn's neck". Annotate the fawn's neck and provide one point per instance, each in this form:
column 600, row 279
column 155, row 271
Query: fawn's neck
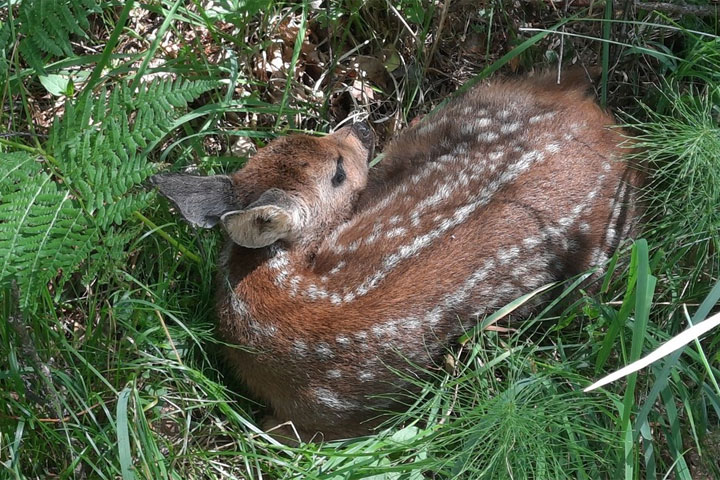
column 237, row 263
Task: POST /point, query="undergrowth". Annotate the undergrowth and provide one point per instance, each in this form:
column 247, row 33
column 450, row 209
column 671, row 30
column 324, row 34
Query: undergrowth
column 107, row 366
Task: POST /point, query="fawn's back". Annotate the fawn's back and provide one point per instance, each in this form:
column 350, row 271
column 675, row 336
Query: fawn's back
column 512, row 186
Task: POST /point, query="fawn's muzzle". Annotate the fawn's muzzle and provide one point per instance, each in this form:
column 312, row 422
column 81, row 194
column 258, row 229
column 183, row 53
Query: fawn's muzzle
column 366, row 136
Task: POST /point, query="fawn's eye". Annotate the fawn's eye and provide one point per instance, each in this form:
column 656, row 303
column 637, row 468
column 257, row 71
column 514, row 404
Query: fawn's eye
column 339, row 176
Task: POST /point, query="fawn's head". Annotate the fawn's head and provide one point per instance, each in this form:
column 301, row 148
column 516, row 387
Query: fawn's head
column 294, row 189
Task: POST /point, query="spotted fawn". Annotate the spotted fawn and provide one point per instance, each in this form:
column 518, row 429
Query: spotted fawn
column 334, row 274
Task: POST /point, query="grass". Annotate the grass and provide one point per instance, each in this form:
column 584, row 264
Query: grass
column 112, row 374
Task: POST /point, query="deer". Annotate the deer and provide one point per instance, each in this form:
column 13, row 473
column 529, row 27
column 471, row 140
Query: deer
column 336, row 276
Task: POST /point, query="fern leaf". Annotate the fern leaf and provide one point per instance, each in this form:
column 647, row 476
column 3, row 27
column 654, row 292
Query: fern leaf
column 46, row 26
column 43, row 229
column 54, row 219
column 32, row 56
column 104, row 163
column 4, row 50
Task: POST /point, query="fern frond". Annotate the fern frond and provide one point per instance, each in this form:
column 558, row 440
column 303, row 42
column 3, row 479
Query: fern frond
column 105, row 162
column 4, row 49
column 53, row 218
column 43, row 228
column 47, row 25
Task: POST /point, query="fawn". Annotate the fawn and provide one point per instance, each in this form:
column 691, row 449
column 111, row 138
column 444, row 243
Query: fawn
column 335, row 274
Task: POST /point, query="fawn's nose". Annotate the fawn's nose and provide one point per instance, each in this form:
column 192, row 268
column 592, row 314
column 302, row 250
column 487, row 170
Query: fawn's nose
column 364, row 133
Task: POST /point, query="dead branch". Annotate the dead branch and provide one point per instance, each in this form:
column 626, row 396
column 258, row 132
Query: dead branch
column 680, row 8
column 665, row 7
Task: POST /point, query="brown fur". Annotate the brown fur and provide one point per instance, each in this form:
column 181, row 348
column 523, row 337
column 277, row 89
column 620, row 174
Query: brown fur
column 557, row 200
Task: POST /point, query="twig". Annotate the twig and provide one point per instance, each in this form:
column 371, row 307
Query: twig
column 562, row 44
column 21, row 134
column 438, row 33
column 41, row 376
column 677, row 8
column 450, row 409
column 64, row 419
column 680, row 8
column 169, row 337
column 402, row 20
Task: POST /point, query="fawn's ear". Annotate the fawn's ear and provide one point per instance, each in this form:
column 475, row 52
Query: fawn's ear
column 272, row 217
column 201, row 200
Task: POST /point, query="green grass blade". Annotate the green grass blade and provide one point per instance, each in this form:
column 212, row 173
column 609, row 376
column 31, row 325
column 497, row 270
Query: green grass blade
column 123, row 436
column 605, row 55
column 149, row 55
column 107, row 51
column 643, row 300
column 293, row 62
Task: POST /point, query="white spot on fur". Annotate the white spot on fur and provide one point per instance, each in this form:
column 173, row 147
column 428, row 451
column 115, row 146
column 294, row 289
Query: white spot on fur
column 294, row 284
column 279, row 261
column 281, row 277
column 396, row 232
column 510, row 127
column 384, row 330
column 532, row 242
column 552, row 147
column 505, row 291
column 366, row 376
column 239, row 306
column 434, row 316
column 314, row 293
column 553, row 231
column 541, row 117
column 578, row 209
column 507, row 255
column 331, row 400
column 337, row 267
column 528, row 157
column 488, row 137
column 519, row 271
column 496, row 155
column 532, row 282
column 411, row 323
column 415, row 219
column 334, row 374
column 361, row 338
column 599, row 257
column 343, row 340
column 611, row 234
column 280, row 264
column 299, row 348
column 324, row 351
